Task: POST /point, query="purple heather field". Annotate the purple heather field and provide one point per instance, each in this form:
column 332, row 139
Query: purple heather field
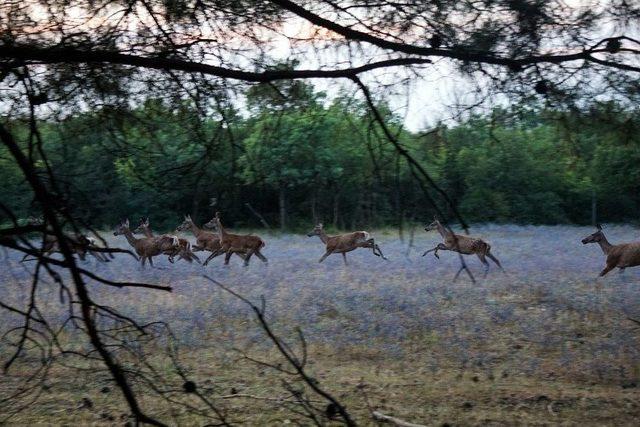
column 548, row 313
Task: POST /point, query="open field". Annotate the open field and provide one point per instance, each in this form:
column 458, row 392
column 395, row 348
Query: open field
column 545, row 343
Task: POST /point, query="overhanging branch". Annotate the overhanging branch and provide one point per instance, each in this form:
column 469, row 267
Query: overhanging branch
column 55, row 55
column 456, row 52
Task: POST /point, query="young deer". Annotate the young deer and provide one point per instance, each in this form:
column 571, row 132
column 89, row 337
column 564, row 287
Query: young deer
column 235, row 243
column 622, row 256
column 205, row 240
column 462, row 244
column 343, row 243
column 145, row 247
column 168, row 247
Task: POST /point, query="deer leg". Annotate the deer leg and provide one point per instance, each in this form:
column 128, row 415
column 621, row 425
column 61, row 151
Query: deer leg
column 380, row 252
column 261, row 257
column 248, row 257
column 344, row 257
column 100, row 257
column 484, row 261
column 326, row 254
column 439, row 247
column 195, row 257
column 374, row 248
column 151, row 261
column 458, row 273
column 227, row 257
column 212, row 256
column 182, row 253
column 370, row 244
column 607, row 269
column 494, row 259
column 143, row 259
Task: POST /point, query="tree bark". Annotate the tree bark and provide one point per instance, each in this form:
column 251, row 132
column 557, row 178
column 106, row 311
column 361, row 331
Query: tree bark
column 314, row 212
column 282, row 202
column 336, row 200
column 594, row 208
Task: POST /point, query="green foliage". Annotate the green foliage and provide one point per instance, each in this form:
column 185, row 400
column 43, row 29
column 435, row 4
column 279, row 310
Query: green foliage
column 301, row 159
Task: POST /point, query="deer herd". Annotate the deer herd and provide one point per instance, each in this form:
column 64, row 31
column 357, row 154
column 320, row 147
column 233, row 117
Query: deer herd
column 214, row 238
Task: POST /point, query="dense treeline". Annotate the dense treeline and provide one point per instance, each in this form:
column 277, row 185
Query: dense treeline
column 296, row 158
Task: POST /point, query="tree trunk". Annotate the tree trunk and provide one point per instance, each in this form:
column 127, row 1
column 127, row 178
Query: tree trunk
column 336, row 198
column 195, row 208
column 594, row 208
column 314, row 213
column 282, row 202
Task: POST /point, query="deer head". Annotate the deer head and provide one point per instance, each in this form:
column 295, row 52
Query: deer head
column 596, row 237
column 317, row 230
column 214, row 224
column 187, row 224
column 122, row 228
column 433, row 226
column 144, row 223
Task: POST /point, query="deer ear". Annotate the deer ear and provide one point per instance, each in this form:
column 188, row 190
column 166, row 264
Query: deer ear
column 126, row 222
column 218, row 215
column 598, row 226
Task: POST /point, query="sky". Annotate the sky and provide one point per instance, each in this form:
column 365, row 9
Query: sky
column 426, row 100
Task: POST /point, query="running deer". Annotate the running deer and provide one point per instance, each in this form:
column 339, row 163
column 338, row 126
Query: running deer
column 462, row 244
column 145, row 247
column 235, row 243
column 622, row 256
column 205, row 240
column 168, row 248
column 79, row 244
column 343, row 243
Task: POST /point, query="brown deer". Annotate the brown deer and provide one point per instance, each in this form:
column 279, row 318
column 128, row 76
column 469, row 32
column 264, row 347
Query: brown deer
column 79, row 244
column 622, row 256
column 145, row 247
column 168, row 248
column 462, row 244
column 343, row 243
column 205, row 240
column 247, row 245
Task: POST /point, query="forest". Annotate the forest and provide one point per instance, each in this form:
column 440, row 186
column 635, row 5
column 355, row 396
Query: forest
column 291, row 160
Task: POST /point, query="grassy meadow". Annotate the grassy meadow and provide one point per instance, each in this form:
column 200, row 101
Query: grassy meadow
column 545, row 343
